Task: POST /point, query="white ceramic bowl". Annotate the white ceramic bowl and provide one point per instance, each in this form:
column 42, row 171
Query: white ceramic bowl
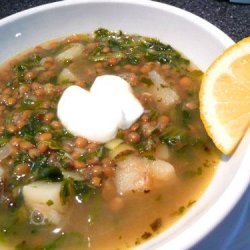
column 197, row 39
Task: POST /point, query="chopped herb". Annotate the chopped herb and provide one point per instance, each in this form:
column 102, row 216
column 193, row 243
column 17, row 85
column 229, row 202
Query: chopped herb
column 49, row 202
column 33, row 127
column 175, row 137
column 145, row 144
column 153, row 114
column 102, row 33
column 190, row 203
column 186, row 117
column 101, row 152
column 3, row 140
column 65, row 191
column 82, row 191
column 146, row 81
column 133, row 60
column 156, row 224
column 134, row 50
column 28, row 103
column 22, row 157
column 146, row 235
column 6, row 135
column 53, row 80
column 21, row 68
column 55, row 145
column 39, row 162
column 114, row 44
column 181, row 210
column 50, row 173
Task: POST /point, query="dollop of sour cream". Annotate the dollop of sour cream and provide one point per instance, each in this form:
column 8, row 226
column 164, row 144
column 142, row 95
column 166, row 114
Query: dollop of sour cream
column 98, row 114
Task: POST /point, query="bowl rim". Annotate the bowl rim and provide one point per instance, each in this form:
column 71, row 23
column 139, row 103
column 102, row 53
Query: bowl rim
column 188, row 239
column 220, row 35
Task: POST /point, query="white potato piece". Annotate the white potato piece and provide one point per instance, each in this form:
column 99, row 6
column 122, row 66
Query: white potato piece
column 74, row 51
column 136, row 174
column 166, row 96
column 156, row 78
column 66, row 75
column 161, row 90
column 162, row 152
column 38, row 196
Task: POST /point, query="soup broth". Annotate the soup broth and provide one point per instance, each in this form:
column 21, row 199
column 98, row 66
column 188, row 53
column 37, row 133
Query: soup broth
column 36, row 148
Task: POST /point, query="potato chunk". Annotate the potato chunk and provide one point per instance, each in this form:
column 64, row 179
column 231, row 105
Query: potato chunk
column 70, row 53
column 45, row 198
column 161, row 91
column 140, row 174
column 66, row 75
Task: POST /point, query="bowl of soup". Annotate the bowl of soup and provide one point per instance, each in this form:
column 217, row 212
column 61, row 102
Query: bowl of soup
column 102, row 146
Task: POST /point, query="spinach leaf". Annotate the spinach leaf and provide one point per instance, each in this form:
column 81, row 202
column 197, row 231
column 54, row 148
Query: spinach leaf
column 175, row 137
column 49, row 173
column 21, row 68
column 82, row 191
column 66, row 190
column 28, row 103
column 40, row 162
column 33, row 127
column 22, row 157
column 132, row 50
column 102, row 33
column 6, row 135
column 100, row 153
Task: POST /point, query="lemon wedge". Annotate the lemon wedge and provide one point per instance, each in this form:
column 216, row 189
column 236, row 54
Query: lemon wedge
column 225, row 97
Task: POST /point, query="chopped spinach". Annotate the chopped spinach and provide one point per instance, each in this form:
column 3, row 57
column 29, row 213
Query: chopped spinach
column 145, row 145
column 49, row 202
column 135, row 49
column 102, row 33
column 65, row 191
column 100, row 153
column 186, row 117
column 49, row 173
column 133, row 59
column 6, row 135
column 33, row 126
column 21, row 68
column 82, row 191
column 175, row 137
column 79, row 189
column 28, row 103
column 40, row 162
column 146, row 81
column 22, row 157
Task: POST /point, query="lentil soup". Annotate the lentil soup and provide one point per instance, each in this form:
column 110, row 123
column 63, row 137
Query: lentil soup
column 60, row 191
